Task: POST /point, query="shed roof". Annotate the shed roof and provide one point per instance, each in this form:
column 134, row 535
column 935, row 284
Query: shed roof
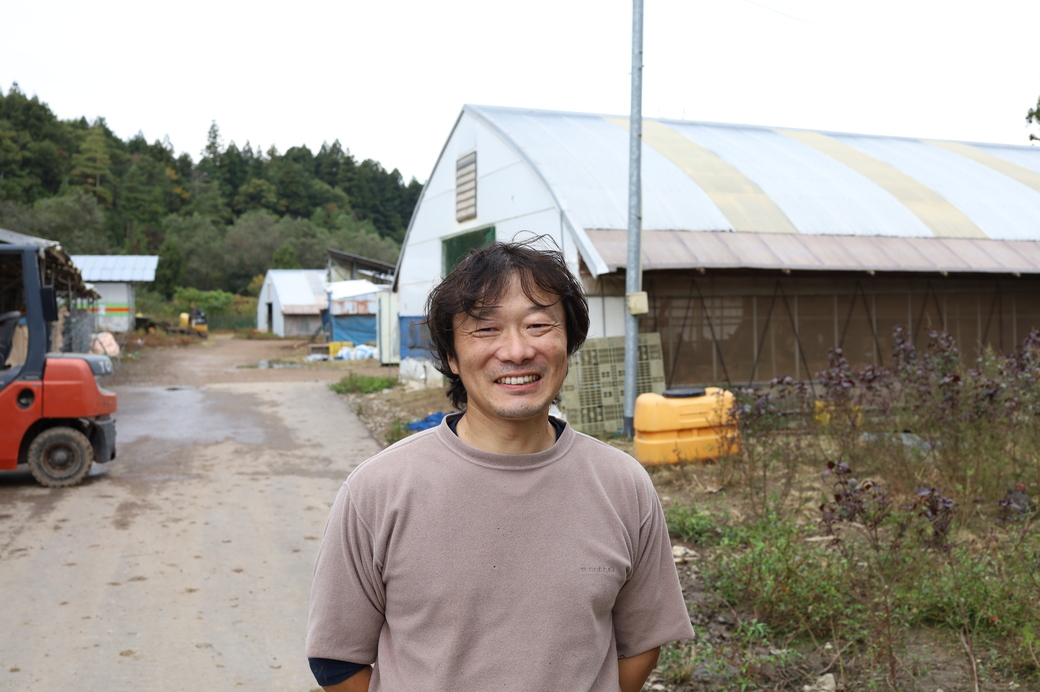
column 354, row 287
column 62, row 273
column 117, row 268
column 300, row 291
column 834, row 200
column 11, row 238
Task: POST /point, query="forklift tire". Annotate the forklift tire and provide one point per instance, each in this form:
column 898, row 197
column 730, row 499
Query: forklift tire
column 60, row 457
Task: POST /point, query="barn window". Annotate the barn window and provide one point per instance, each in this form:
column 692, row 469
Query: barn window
column 466, row 187
column 456, row 247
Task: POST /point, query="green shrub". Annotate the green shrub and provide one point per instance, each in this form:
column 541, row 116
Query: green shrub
column 797, row 586
column 362, row 384
column 689, row 524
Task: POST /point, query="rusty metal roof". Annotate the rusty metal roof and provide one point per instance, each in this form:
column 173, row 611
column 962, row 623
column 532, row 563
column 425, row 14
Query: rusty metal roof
column 708, row 250
column 718, row 195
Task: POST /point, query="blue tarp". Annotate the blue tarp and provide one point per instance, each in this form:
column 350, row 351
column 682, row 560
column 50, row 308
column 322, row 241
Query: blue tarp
column 415, row 337
column 430, row 421
column 360, row 329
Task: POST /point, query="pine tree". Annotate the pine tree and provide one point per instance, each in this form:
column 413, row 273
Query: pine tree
column 91, row 165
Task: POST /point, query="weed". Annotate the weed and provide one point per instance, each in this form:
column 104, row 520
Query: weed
column 677, row 662
column 689, row 524
column 770, row 427
column 397, row 431
column 355, row 383
column 796, row 585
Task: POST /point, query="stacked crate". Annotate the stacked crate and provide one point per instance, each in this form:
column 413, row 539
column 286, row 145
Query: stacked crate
column 593, row 393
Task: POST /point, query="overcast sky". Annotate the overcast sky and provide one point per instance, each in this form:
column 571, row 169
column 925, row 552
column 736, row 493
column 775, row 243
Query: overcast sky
column 388, row 79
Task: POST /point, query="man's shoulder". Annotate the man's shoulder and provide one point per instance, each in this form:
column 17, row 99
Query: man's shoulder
column 586, row 444
column 396, row 459
column 606, row 457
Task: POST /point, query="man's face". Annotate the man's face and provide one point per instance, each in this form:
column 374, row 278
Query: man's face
column 512, row 359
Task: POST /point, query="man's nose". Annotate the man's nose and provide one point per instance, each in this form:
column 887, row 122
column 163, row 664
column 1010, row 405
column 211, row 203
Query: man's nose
column 516, row 347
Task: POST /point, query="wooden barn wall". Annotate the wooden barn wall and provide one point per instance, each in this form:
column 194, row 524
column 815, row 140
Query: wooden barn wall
column 767, row 327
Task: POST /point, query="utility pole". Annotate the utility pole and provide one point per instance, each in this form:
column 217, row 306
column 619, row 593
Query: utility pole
column 636, row 302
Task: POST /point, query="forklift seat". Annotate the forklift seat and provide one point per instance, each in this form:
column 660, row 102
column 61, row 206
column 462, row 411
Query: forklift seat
column 8, row 323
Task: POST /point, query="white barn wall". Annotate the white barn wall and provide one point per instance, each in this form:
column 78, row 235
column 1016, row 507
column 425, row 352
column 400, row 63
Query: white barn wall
column 606, row 316
column 299, row 325
column 116, row 307
column 510, row 197
column 606, row 296
column 269, row 295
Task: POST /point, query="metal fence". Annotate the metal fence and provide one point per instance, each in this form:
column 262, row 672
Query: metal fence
column 77, row 331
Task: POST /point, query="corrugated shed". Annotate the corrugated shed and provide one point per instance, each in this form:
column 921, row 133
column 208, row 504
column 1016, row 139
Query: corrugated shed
column 354, row 297
column 843, row 199
column 300, row 291
column 703, row 250
column 135, row 268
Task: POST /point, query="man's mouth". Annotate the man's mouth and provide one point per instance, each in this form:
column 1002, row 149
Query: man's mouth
column 523, row 379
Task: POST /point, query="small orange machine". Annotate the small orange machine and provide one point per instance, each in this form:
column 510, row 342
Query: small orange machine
column 685, row 425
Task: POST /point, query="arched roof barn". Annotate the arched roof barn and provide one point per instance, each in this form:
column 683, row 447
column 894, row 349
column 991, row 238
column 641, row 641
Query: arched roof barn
column 761, row 246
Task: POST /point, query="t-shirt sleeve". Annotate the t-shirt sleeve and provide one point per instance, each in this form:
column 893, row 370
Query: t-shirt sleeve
column 650, row 610
column 347, row 596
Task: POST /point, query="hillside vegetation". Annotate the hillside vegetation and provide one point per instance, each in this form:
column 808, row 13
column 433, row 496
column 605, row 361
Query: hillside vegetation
column 216, row 223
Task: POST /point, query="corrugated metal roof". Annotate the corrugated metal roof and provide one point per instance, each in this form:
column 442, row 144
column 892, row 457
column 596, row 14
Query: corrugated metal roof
column 136, row 268
column 11, row 238
column 300, row 291
column 65, row 275
column 707, row 250
column 353, row 287
column 853, row 192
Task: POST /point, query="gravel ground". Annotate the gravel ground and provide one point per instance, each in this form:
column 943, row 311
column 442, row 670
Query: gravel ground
column 386, row 414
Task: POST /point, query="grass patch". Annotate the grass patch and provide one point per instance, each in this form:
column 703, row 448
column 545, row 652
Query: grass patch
column 692, row 525
column 355, row 383
column 397, row 431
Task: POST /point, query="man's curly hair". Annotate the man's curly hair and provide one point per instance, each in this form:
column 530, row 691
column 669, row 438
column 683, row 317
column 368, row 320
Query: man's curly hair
column 480, row 279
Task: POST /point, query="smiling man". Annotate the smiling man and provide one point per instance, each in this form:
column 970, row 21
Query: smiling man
column 501, row 550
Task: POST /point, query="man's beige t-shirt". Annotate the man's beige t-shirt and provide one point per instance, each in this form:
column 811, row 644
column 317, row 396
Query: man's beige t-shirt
column 457, row 569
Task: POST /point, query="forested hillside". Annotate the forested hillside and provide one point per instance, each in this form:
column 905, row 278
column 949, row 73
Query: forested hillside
column 216, row 223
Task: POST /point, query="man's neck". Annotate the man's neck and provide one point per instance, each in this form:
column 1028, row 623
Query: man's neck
column 517, row 436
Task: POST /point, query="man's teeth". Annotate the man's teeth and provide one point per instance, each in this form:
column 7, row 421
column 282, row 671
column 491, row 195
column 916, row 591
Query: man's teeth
column 518, row 380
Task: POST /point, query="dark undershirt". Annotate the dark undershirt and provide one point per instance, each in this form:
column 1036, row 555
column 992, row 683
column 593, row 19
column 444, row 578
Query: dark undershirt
column 329, row 671
column 557, row 426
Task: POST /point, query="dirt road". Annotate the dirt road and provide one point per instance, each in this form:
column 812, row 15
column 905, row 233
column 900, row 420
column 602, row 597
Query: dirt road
column 184, row 563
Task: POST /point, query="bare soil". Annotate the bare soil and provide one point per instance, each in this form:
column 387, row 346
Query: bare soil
column 184, row 563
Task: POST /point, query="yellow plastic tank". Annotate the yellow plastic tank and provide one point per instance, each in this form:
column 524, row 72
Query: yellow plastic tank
column 691, row 424
column 335, row 346
column 823, row 410
column 184, row 320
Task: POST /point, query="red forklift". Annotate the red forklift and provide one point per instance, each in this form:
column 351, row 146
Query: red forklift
column 55, row 418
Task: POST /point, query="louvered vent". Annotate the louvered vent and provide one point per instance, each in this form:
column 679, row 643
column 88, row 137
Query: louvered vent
column 466, row 187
